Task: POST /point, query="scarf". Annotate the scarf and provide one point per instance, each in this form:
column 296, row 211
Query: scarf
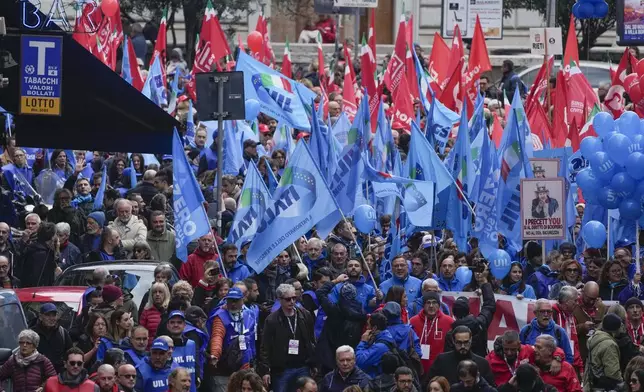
column 590, row 312
column 25, row 361
column 512, row 289
column 635, row 334
column 80, row 199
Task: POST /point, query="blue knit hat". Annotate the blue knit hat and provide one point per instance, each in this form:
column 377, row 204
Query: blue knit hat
column 99, row 217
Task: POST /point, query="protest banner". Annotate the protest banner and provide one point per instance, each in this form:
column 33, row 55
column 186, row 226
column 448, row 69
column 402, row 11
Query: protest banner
column 542, row 209
column 545, row 167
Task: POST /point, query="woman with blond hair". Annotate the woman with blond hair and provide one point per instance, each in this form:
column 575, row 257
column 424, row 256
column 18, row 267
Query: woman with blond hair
column 158, row 301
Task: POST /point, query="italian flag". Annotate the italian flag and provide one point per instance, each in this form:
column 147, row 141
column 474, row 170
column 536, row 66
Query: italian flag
column 287, row 63
column 269, row 80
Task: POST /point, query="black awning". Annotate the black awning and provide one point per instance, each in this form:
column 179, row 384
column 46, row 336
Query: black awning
column 100, row 110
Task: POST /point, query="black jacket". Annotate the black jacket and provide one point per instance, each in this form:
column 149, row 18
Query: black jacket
column 146, row 190
column 38, row 266
column 334, row 382
column 477, row 324
column 76, row 219
column 382, row 383
column 54, row 342
column 446, row 363
column 481, row 386
column 273, row 355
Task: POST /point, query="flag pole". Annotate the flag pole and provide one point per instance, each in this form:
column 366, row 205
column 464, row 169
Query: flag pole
column 638, row 268
column 460, row 191
column 221, row 259
column 608, row 239
column 353, row 237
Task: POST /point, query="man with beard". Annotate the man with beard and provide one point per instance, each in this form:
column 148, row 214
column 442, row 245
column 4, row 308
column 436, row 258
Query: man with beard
column 470, row 380
column 106, row 378
column 367, row 296
column 431, row 326
column 509, row 354
column 544, row 324
column 74, row 376
column 180, row 381
column 566, row 380
column 338, row 259
column 404, row 380
column 446, row 363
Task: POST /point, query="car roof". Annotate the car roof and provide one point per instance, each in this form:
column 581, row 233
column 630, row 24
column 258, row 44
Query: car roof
column 584, row 64
column 119, row 265
column 51, row 294
column 8, row 296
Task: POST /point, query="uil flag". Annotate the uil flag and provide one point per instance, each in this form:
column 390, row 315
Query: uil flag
column 190, row 219
column 153, row 87
column 98, row 200
column 252, row 204
column 301, row 200
column 279, row 97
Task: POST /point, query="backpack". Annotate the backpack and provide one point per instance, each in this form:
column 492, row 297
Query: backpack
column 407, row 358
column 231, row 356
column 526, row 332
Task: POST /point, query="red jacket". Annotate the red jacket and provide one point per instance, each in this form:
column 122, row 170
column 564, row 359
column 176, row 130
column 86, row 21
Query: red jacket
column 568, row 324
column 56, row 384
column 327, row 30
column 150, row 319
column 500, row 368
column 431, row 333
column 565, row 381
column 192, row 270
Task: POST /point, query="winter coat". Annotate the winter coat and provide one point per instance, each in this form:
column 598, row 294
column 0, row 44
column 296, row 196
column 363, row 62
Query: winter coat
column 381, row 383
column 529, row 333
column 54, row 343
column 238, row 272
column 564, row 381
column 450, row 285
column 69, row 255
column 480, row 386
column 150, row 319
column 131, row 232
column 581, row 316
column 365, row 292
column 192, row 270
column 335, row 382
column 631, row 291
column 29, row 378
column 368, row 355
column 162, row 246
column 412, row 288
column 611, row 291
column 432, row 333
column 543, row 280
column 602, row 365
column 446, row 365
column 202, row 291
column 64, row 383
column 568, row 324
column 343, row 326
column 76, row 219
column 38, row 266
column 147, row 190
column 477, row 324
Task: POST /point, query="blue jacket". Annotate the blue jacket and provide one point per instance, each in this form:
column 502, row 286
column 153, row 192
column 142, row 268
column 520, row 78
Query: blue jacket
column 365, row 292
column 335, row 382
column 368, row 356
column 417, row 307
column 529, row 333
column 412, row 288
column 542, row 280
column 450, row 285
column 149, row 379
column 312, row 265
column 238, row 272
column 401, row 334
column 631, row 291
column 514, row 290
column 320, row 316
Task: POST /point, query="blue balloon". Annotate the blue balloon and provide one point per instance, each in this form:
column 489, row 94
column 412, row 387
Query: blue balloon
column 630, row 209
column 638, row 194
column 586, row 10
column 500, row 263
column 575, row 10
column 364, row 218
column 590, row 197
column 252, row 109
column 602, row 165
column 600, row 10
column 617, row 148
column 603, row 123
column 594, row 233
column 629, row 124
column 623, row 184
column 608, row 198
column 604, row 139
column 637, row 144
column 463, row 274
column 642, row 126
column 588, row 181
column 635, row 165
column 590, row 145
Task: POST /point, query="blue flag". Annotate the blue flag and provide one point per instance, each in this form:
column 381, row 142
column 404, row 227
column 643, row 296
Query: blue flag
column 485, row 228
column 153, row 87
column 279, row 97
column 133, row 180
column 341, row 129
column 100, row 194
column 272, row 181
column 301, row 200
column 125, row 63
column 319, row 146
column 514, row 165
column 252, row 204
column 18, row 181
column 382, row 145
column 477, row 122
column 439, row 124
column 283, row 140
column 190, row 126
column 190, row 219
column 233, row 154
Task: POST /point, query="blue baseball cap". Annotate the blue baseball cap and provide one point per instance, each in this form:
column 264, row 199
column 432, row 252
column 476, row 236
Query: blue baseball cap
column 235, row 293
column 160, row 344
column 176, row 313
column 48, row 308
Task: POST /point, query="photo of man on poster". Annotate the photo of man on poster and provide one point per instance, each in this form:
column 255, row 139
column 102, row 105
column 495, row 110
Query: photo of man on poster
column 543, row 206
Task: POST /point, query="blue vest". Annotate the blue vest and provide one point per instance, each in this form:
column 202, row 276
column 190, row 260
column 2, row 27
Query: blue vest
column 205, row 339
column 135, row 358
column 211, row 158
column 320, row 317
column 103, row 346
column 186, row 357
column 232, row 331
column 152, row 380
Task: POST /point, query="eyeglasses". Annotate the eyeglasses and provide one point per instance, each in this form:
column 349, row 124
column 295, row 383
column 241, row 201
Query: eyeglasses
column 289, row 299
column 132, row 376
column 544, row 312
column 75, row 363
column 461, row 343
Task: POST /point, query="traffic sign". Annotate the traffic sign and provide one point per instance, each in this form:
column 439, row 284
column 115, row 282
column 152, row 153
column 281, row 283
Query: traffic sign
column 41, row 75
column 356, row 3
column 546, row 41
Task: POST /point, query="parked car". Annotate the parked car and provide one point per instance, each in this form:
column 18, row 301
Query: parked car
column 67, row 299
column 596, row 72
column 132, row 275
column 12, row 322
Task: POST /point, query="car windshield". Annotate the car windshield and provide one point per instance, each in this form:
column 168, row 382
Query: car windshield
column 66, row 312
column 595, row 75
column 11, row 323
column 133, row 281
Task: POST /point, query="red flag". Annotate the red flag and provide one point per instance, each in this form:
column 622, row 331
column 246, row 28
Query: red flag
column 372, row 36
column 321, row 66
column 265, row 54
column 212, row 44
column 369, row 84
column 349, row 103
column 539, row 124
column 614, row 100
column 287, row 65
column 218, row 41
column 479, row 61
column 452, row 95
column 109, row 38
column 88, row 22
column 456, row 54
column 540, row 83
column 396, row 81
column 573, row 136
column 240, row 43
column 437, row 65
column 160, row 46
column 354, row 83
column 412, row 77
column 497, row 130
column 137, row 80
column 559, row 127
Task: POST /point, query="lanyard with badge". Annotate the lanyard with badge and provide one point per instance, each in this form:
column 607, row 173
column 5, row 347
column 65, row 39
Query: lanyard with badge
column 426, row 348
column 293, row 344
column 238, row 326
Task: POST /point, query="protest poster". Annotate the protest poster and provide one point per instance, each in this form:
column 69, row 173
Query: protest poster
column 542, row 209
column 545, row 167
column 629, row 26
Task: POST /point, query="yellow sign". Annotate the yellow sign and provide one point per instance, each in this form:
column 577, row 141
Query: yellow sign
column 40, row 105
